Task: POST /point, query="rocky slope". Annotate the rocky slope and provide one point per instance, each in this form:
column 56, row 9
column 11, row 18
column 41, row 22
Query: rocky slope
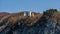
column 16, row 23
column 2, row 14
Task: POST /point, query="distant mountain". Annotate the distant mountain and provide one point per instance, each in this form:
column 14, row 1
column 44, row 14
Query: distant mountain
column 17, row 23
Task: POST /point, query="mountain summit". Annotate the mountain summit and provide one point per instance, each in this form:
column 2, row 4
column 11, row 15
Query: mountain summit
column 31, row 23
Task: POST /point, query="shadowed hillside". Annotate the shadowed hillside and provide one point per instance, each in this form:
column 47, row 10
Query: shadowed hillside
column 17, row 23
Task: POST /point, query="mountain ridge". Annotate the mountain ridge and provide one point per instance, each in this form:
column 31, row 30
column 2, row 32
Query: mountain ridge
column 17, row 23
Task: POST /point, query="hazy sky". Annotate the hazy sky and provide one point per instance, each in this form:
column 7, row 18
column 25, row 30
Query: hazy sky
column 28, row 5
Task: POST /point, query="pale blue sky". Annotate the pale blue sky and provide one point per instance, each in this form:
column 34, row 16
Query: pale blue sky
column 28, row 5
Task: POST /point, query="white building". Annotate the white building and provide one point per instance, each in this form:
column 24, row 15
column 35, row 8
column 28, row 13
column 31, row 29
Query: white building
column 28, row 14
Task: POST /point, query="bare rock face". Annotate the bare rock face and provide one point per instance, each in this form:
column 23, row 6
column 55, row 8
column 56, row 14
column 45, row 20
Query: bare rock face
column 39, row 24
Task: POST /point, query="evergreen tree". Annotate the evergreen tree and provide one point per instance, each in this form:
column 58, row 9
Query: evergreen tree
column 50, row 12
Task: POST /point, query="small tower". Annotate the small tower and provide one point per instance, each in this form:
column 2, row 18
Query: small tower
column 30, row 13
column 24, row 13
